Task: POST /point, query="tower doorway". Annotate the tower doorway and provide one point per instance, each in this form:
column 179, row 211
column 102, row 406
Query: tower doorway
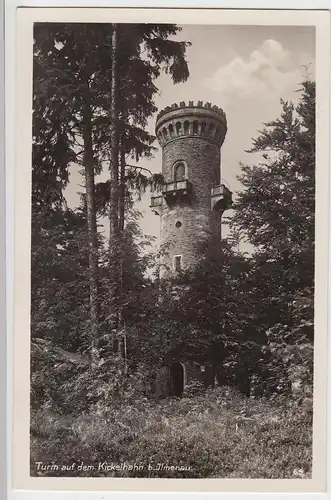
column 176, row 379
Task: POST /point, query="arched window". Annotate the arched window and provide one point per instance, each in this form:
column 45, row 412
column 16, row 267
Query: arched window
column 179, row 172
column 212, row 130
column 218, row 134
column 178, row 128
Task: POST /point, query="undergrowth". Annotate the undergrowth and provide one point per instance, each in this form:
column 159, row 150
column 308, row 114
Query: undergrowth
column 219, row 433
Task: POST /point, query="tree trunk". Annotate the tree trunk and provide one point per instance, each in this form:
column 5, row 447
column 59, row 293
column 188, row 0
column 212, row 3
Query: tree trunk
column 121, row 249
column 114, row 137
column 114, row 251
column 92, row 228
column 122, row 188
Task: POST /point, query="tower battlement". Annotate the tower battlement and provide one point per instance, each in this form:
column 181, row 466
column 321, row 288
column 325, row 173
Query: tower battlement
column 187, row 120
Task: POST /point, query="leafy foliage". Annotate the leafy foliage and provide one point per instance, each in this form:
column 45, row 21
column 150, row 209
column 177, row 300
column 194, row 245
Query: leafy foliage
column 59, row 284
column 276, row 212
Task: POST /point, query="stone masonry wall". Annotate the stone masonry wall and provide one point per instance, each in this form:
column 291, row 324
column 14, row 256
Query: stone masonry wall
column 197, row 219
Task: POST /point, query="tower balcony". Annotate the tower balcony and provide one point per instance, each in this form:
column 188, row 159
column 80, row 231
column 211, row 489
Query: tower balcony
column 177, row 189
column 156, row 204
column 221, row 197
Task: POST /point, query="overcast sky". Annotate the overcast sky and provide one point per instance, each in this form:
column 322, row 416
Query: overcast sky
column 243, row 69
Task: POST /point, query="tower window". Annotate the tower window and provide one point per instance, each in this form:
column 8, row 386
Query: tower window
column 178, row 263
column 178, row 128
column 179, row 172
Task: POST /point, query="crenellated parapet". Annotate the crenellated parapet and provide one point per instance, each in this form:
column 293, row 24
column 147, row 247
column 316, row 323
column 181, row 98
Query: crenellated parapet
column 185, row 120
column 199, row 104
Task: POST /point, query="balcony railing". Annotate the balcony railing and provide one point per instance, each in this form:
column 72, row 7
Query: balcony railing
column 156, row 201
column 221, row 197
column 180, row 187
column 156, row 204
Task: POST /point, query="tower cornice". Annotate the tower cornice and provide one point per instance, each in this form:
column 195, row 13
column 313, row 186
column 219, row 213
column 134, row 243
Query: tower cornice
column 205, row 138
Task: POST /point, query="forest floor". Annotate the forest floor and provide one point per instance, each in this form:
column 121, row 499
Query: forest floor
column 218, row 434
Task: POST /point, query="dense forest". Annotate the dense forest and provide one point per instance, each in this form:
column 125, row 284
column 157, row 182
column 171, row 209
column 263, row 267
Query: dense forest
column 103, row 322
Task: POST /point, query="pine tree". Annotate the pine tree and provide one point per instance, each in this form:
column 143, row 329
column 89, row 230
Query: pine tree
column 276, row 212
column 72, row 102
column 160, row 52
column 67, row 60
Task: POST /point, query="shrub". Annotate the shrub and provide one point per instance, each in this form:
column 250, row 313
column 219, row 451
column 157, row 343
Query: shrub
column 217, row 434
column 194, row 388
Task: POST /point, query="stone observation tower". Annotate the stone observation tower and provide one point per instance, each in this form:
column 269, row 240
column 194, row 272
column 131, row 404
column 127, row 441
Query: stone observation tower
column 193, row 198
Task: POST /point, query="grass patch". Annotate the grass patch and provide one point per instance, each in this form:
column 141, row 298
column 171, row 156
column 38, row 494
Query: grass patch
column 220, row 434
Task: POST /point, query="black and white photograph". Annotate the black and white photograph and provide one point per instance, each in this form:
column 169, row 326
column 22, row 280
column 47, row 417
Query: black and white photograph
column 172, row 280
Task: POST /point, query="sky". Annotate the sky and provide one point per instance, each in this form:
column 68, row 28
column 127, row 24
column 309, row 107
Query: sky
column 245, row 70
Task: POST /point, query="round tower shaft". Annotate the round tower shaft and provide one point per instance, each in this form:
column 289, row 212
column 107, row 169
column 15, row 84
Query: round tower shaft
column 193, row 198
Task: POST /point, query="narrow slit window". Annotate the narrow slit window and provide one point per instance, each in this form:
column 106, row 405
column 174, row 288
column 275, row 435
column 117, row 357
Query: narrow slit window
column 178, row 263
